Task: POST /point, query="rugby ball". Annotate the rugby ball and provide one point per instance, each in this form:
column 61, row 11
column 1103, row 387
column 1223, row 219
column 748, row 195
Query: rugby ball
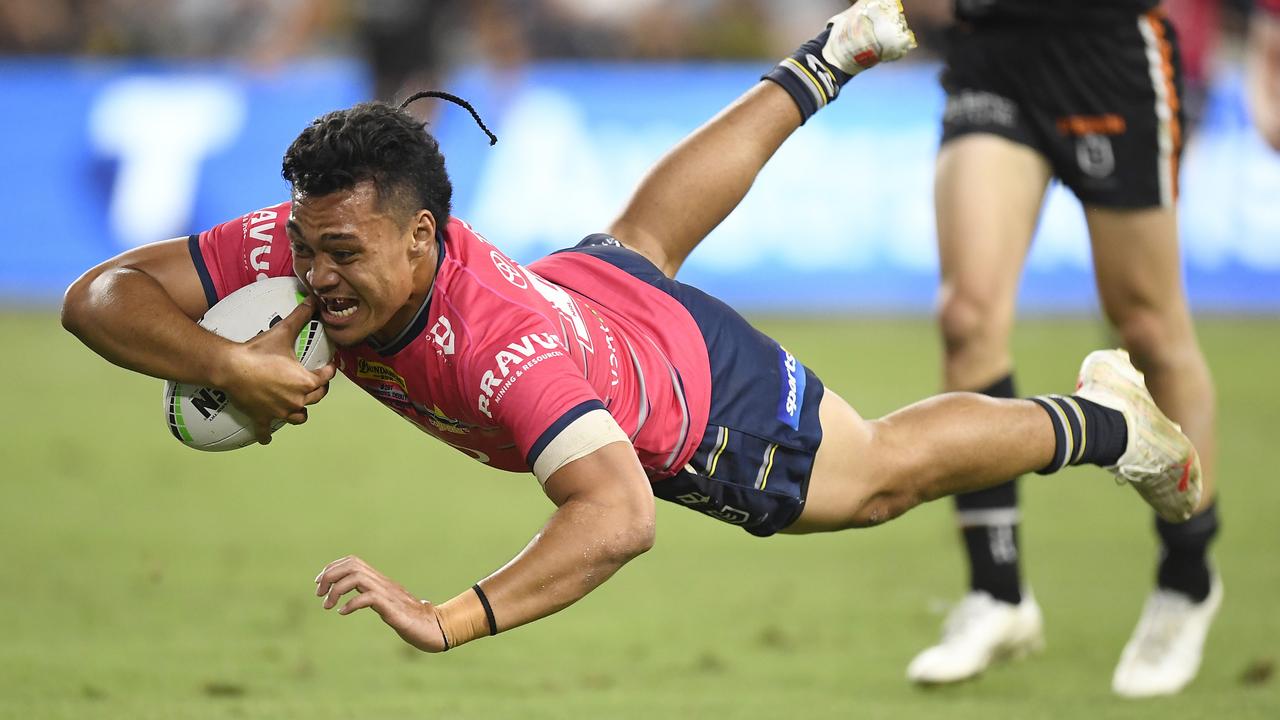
column 201, row 417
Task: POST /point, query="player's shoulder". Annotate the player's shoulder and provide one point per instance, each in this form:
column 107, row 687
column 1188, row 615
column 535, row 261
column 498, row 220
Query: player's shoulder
column 241, row 250
column 483, row 282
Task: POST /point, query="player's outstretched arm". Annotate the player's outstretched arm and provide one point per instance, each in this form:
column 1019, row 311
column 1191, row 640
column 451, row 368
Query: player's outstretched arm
column 139, row 310
column 605, row 517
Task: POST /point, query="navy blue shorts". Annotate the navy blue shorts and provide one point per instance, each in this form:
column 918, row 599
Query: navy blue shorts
column 752, row 466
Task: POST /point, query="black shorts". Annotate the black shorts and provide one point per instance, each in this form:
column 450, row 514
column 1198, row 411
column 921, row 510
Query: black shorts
column 752, row 466
column 1102, row 103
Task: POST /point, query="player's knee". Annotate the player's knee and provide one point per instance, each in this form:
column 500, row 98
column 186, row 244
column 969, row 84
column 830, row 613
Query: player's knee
column 884, row 506
column 966, row 318
column 891, row 484
column 1149, row 338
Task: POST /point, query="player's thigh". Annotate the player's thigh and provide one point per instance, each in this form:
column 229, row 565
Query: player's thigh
column 843, row 469
column 987, row 196
column 1137, row 261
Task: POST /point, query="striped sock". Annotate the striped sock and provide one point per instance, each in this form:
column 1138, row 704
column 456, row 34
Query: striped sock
column 1083, row 431
column 808, row 78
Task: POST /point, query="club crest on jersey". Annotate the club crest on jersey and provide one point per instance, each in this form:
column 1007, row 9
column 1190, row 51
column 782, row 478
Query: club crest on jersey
column 511, row 362
column 791, row 392
column 438, row 420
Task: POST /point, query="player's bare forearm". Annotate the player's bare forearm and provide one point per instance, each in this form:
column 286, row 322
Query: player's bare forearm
column 126, row 315
column 138, row 311
column 701, row 180
column 605, row 518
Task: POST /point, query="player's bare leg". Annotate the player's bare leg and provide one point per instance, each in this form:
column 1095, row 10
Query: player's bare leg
column 702, row 179
column 1139, row 271
column 1138, row 267
column 868, row 472
column 988, row 192
column 987, row 197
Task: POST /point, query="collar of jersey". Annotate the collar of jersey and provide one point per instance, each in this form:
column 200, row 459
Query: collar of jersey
column 419, row 323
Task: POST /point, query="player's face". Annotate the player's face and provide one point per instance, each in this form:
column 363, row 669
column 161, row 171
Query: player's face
column 369, row 271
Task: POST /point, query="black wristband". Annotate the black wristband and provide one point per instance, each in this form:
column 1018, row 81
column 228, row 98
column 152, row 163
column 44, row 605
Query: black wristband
column 488, row 609
column 808, row 78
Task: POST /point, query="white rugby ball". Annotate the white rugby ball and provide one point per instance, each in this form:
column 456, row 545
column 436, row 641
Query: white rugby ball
column 201, row 417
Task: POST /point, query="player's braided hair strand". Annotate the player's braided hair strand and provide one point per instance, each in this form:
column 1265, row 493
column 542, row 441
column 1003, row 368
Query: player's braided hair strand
column 493, row 139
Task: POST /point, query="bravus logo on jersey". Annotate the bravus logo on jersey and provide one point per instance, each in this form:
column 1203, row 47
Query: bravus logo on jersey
column 259, row 228
column 515, row 357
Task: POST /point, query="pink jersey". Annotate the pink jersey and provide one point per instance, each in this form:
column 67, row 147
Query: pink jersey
column 501, row 359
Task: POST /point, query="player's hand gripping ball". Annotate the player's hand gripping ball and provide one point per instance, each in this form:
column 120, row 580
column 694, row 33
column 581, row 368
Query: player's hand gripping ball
column 203, row 417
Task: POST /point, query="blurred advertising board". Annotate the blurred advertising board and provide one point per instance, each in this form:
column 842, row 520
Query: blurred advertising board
column 104, row 157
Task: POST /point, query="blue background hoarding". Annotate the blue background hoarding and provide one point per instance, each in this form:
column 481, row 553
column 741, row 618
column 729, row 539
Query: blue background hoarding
column 103, row 157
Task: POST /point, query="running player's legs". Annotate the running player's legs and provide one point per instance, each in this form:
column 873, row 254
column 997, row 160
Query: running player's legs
column 989, row 185
column 1138, row 267
column 987, row 192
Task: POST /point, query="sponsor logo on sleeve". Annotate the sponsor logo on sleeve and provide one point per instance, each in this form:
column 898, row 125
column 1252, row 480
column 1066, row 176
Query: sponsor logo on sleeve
column 791, row 396
column 510, row 364
column 259, row 228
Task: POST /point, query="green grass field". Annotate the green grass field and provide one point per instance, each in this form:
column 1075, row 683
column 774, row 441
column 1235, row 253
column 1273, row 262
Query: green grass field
column 147, row 580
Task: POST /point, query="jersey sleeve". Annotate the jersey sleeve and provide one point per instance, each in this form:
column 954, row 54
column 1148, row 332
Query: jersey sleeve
column 532, row 387
column 241, row 251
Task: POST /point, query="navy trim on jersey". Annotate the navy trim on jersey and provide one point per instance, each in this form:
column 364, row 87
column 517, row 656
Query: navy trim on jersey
column 419, row 323
column 206, row 280
column 558, row 426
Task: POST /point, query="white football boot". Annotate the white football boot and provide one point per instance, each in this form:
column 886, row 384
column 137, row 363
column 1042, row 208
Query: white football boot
column 1164, row 653
column 1158, row 460
column 868, row 33
column 978, row 631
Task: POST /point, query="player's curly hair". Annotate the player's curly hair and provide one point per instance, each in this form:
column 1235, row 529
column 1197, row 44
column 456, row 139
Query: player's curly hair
column 372, row 141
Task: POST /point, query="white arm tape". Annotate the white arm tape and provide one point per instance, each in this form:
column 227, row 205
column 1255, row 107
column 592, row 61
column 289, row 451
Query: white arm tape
column 580, row 438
